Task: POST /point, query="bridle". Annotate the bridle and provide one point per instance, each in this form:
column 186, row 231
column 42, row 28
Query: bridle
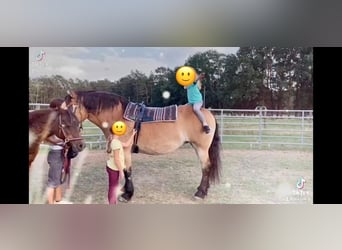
column 61, row 129
column 74, row 108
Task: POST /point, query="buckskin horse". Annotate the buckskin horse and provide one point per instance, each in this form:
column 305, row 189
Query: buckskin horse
column 153, row 137
column 62, row 123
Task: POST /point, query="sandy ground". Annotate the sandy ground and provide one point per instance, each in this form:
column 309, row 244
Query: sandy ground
column 248, row 177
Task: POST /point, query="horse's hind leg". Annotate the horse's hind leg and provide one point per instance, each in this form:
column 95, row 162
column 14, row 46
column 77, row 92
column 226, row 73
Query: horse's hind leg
column 202, row 189
column 128, row 188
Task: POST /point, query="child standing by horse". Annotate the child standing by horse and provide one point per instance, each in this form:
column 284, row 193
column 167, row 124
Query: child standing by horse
column 116, row 160
column 196, row 100
column 55, row 159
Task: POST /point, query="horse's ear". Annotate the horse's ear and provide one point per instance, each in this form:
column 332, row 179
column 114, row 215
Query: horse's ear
column 71, row 93
column 64, row 106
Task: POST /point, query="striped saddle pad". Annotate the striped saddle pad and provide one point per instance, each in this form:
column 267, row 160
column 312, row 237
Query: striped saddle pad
column 150, row 114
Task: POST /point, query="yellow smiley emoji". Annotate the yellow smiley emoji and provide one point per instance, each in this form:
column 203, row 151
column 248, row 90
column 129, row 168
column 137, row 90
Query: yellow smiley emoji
column 119, row 128
column 185, row 75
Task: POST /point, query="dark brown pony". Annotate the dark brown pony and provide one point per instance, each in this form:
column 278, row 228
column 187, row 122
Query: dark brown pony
column 62, row 123
column 103, row 109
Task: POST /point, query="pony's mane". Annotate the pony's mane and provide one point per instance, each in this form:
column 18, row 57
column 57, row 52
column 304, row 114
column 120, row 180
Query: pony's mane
column 39, row 116
column 95, row 101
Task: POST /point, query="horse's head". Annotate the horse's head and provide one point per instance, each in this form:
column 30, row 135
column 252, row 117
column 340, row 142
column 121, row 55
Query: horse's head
column 74, row 105
column 99, row 107
column 69, row 129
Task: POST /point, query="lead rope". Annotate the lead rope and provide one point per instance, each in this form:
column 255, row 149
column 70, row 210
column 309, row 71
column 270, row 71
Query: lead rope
column 67, row 162
column 66, row 167
column 66, row 140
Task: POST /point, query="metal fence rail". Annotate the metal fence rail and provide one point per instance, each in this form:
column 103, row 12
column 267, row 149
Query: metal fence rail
column 251, row 128
column 35, row 106
column 265, row 127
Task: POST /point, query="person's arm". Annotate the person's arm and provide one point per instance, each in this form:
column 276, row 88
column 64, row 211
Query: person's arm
column 117, row 159
column 199, row 84
column 199, row 80
column 118, row 163
column 130, row 140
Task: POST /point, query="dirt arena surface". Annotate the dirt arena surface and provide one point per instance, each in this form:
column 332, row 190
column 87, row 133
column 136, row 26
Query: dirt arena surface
column 248, row 177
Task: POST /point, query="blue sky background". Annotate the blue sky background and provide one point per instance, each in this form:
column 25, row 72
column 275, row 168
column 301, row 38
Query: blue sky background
column 112, row 63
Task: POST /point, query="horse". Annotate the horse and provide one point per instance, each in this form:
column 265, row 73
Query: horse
column 153, row 138
column 62, row 123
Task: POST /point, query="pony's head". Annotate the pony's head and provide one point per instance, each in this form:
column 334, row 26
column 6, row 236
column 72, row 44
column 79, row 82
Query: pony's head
column 68, row 127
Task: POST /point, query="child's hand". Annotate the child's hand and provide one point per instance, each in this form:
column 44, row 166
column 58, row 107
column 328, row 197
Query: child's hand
column 134, row 131
column 121, row 175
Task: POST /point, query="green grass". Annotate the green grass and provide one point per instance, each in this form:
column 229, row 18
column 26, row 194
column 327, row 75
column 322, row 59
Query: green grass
column 90, row 128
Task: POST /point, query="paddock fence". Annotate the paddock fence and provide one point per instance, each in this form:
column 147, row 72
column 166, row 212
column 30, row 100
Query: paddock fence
column 240, row 128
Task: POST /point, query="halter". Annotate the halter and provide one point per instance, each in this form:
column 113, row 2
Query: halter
column 74, row 112
column 61, row 128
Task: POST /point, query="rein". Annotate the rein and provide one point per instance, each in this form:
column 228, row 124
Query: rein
column 61, row 128
column 67, row 161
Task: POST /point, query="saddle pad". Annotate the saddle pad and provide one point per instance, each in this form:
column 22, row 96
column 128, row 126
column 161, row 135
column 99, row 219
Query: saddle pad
column 151, row 114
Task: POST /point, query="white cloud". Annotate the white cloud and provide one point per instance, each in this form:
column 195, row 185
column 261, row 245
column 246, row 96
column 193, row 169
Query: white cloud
column 72, row 71
column 109, row 63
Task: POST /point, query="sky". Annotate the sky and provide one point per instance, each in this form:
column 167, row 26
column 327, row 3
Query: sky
column 112, row 63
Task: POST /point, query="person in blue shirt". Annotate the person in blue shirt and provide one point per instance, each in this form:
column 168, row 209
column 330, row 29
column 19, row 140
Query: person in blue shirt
column 195, row 99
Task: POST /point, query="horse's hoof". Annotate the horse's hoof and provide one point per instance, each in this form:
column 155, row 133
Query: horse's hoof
column 196, row 198
column 121, row 199
column 200, row 195
column 135, row 149
column 125, row 197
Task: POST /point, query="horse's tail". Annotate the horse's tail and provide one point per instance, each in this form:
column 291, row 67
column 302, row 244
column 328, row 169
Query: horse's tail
column 215, row 157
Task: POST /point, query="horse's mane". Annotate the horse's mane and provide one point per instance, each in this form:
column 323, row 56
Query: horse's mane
column 39, row 117
column 95, row 101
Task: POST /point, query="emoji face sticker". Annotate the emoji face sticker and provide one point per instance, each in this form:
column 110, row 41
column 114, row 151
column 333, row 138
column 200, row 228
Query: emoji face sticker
column 185, row 75
column 119, row 128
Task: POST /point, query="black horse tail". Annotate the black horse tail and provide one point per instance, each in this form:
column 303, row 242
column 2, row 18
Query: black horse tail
column 215, row 157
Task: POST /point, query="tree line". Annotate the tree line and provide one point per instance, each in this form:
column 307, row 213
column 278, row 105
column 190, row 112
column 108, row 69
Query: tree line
column 277, row 78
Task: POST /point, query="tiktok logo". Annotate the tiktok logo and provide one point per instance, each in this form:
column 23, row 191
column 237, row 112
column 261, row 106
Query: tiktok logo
column 39, row 62
column 300, row 183
column 40, row 56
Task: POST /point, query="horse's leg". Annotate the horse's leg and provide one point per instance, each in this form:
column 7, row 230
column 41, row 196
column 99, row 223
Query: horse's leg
column 128, row 189
column 202, row 189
